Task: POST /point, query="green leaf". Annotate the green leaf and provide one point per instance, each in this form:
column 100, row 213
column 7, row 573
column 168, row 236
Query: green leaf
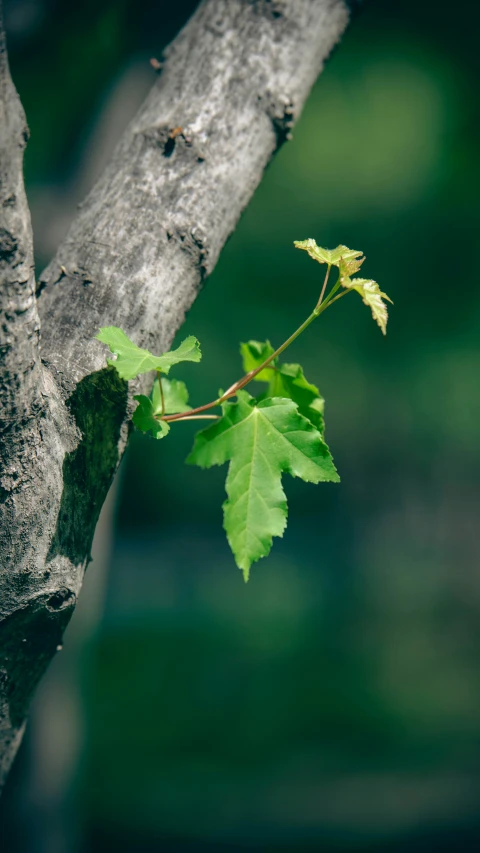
column 289, row 381
column 131, row 360
column 328, row 256
column 285, row 380
column 261, row 441
column 371, row 296
column 189, row 350
column 175, row 396
column 253, row 355
column 349, row 266
column 145, row 420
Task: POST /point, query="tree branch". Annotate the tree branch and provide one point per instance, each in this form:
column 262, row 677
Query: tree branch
column 19, row 318
column 20, row 392
column 232, row 85
column 234, row 81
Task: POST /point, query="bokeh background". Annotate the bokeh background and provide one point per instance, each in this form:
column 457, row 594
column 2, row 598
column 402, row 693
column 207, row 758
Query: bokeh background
column 333, row 703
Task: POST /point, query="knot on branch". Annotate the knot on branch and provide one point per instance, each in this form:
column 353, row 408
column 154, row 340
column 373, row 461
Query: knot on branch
column 270, row 9
column 195, row 243
column 282, row 113
column 61, row 599
column 8, row 246
column 170, row 139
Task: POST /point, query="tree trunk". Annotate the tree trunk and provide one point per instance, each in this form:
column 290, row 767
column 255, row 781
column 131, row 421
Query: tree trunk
column 231, row 87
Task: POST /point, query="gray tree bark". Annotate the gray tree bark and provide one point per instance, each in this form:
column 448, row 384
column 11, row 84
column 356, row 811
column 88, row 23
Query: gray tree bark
column 230, row 89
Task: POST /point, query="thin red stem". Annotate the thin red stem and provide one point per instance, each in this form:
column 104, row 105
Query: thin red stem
column 244, row 380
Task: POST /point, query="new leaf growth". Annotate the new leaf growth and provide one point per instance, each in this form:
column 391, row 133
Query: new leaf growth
column 279, row 431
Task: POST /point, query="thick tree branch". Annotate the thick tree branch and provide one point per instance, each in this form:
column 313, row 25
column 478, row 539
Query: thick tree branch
column 232, row 85
column 19, row 319
column 20, row 377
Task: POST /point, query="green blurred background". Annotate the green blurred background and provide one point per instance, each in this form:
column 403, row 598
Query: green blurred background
column 333, row 703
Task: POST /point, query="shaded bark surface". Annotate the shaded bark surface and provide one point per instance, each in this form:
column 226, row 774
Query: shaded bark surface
column 231, row 87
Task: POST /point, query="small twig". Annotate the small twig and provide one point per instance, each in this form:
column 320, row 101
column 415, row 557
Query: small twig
column 181, row 415
column 196, row 418
column 343, row 293
column 320, row 298
column 237, row 386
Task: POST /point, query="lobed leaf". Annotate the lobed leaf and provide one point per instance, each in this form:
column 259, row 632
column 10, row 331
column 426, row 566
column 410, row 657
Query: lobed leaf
column 349, row 266
column 285, row 380
column 253, row 355
column 372, row 296
column 289, row 381
column 261, row 441
column 132, row 361
column 145, row 420
column 328, row 256
column 175, row 396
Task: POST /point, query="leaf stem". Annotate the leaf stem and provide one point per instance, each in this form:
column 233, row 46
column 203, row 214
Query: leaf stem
column 343, row 293
column 188, row 417
column 320, row 307
column 249, row 376
column 328, row 301
column 320, row 298
column 182, row 415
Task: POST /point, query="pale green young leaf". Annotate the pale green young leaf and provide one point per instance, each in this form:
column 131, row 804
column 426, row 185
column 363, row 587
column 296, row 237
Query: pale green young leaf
column 285, row 380
column 261, row 441
column 131, row 360
column 328, row 256
column 175, row 397
column 371, row 296
column 350, row 266
column 145, row 420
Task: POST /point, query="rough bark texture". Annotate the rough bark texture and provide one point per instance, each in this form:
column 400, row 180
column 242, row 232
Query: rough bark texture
column 231, row 87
